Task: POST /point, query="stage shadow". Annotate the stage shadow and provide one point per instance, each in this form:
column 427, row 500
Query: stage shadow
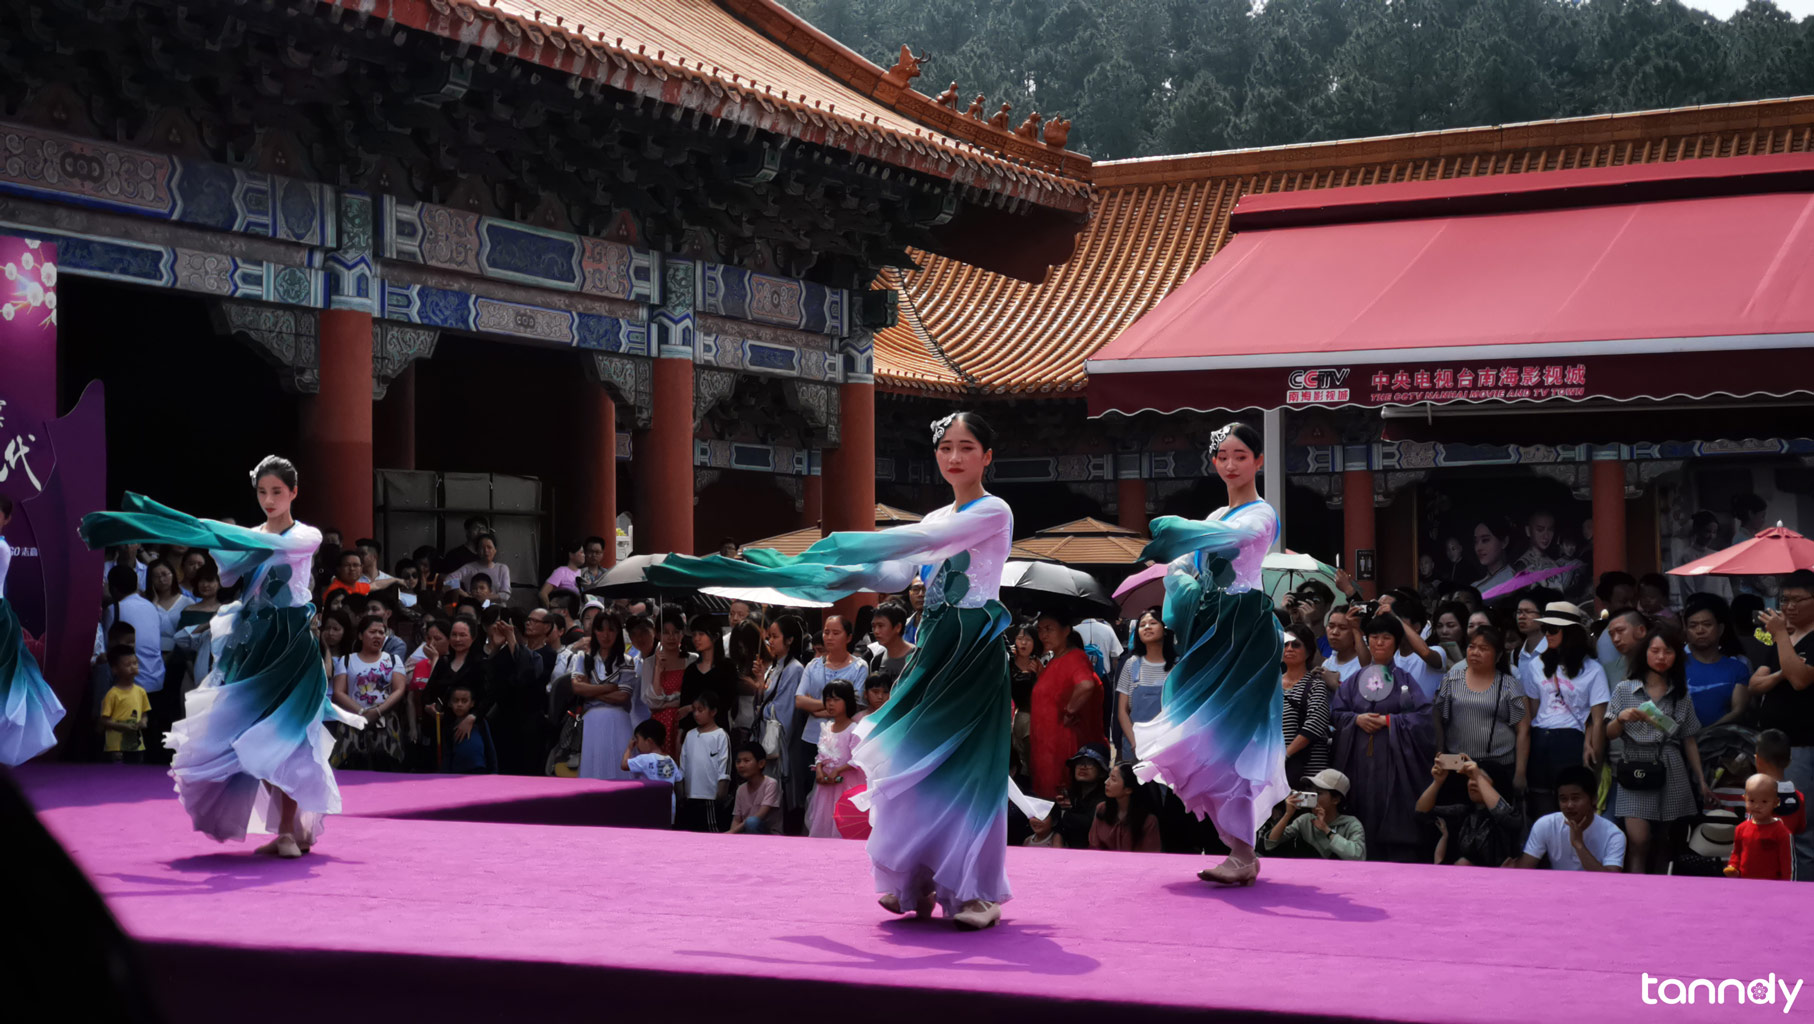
column 1007, row 948
column 225, row 872
column 1283, row 899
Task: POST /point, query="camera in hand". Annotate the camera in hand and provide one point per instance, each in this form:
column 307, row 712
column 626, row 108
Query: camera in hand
column 1300, row 798
column 1451, row 762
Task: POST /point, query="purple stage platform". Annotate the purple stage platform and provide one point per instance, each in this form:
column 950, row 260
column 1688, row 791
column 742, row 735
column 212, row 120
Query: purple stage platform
column 503, row 799
column 392, row 919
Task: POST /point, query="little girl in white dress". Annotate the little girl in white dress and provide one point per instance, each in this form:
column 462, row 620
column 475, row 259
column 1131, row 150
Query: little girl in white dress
column 836, row 742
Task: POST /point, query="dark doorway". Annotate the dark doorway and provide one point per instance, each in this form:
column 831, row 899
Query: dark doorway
column 189, row 411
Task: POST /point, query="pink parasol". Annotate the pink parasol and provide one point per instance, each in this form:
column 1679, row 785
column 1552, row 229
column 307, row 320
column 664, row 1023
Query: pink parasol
column 1775, row 551
column 1141, row 591
column 1524, row 579
column 852, row 822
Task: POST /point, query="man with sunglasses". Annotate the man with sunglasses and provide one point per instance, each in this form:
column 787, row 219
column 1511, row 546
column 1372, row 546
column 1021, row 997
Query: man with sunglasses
column 1783, row 690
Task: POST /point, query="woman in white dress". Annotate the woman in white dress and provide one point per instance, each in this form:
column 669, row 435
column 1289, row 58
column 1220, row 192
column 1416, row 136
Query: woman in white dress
column 604, row 679
column 253, row 746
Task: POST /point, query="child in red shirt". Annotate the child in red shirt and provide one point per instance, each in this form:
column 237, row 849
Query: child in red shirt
column 1761, row 845
column 1772, row 759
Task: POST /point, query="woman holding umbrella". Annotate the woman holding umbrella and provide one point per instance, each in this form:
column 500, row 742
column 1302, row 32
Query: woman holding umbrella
column 1218, row 740
column 936, row 755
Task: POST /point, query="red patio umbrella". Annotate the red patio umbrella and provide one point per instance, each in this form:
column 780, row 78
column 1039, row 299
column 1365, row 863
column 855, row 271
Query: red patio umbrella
column 1775, row 551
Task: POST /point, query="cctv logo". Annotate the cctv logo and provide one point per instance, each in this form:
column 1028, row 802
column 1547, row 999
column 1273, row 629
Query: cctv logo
column 1305, row 387
column 1758, row 992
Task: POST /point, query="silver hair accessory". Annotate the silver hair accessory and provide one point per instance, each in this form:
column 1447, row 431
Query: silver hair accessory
column 940, row 426
column 1216, row 439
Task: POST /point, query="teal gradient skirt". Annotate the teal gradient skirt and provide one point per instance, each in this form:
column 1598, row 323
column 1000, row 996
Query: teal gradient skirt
column 29, row 711
column 1218, row 741
column 258, row 724
column 936, row 756
column 259, row 717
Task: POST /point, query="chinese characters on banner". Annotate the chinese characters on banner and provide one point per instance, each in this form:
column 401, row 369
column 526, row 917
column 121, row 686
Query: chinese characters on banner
column 28, row 402
column 1405, row 385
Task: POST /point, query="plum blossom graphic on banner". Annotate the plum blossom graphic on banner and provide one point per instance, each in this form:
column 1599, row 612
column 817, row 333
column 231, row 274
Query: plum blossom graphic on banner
column 31, row 283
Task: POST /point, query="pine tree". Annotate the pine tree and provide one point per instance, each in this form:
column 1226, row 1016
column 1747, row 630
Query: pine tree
column 1145, row 76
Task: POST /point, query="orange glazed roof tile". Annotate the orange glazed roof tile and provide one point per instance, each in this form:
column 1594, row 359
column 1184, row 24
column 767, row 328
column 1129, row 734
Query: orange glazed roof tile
column 1085, row 550
column 1089, row 526
column 753, row 62
column 1155, row 220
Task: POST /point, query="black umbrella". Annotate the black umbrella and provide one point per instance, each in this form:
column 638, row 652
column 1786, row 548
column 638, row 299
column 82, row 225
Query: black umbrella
column 1049, row 586
column 628, row 578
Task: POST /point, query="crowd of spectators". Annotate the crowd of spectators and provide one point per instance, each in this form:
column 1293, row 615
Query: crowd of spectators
column 1530, row 731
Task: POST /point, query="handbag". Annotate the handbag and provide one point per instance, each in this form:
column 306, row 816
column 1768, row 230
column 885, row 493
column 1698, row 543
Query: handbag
column 565, row 753
column 772, row 734
column 1643, row 776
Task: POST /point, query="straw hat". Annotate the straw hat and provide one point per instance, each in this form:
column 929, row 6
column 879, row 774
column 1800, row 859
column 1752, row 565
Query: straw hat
column 1562, row 613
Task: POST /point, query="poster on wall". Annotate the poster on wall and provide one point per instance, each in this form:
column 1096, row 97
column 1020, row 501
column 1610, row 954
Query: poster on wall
column 1487, row 532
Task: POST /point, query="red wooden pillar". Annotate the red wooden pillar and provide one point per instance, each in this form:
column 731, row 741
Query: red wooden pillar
column 849, row 480
column 1357, row 525
column 394, row 423
column 664, row 462
column 1609, row 516
column 812, row 500
column 1130, row 504
column 337, row 428
column 598, row 469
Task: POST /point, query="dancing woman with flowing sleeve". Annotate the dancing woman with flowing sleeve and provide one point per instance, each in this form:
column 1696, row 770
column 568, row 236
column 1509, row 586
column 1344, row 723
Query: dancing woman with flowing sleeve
column 29, row 711
column 252, row 748
column 1218, row 740
column 936, row 755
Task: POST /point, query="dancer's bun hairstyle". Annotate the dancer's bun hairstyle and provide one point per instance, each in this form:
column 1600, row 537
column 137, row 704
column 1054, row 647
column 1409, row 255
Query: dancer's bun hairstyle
column 277, row 466
column 1240, row 432
column 979, row 428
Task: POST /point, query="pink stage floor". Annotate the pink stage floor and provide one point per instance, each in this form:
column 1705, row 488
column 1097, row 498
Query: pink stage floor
column 398, row 919
column 505, row 799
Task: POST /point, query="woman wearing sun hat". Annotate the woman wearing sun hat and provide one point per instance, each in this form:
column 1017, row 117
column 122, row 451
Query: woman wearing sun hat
column 1566, row 698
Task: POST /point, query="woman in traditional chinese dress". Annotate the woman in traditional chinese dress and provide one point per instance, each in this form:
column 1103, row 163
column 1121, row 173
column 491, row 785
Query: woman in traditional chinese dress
column 252, row 748
column 936, row 755
column 1218, row 740
column 29, row 711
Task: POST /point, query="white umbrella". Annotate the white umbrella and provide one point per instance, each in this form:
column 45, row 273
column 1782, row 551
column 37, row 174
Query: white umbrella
column 763, row 595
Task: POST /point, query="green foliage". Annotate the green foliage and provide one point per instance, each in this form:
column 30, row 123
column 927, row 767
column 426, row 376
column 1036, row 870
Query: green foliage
column 1141, row 77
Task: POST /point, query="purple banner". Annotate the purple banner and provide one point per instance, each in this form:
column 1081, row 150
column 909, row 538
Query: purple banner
column 77, row 485
column 54, row 469
column 28, row 402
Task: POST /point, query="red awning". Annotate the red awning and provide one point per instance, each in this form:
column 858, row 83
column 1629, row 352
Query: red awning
column 1687, row 279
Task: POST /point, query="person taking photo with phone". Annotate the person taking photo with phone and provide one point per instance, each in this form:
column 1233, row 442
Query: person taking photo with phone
column 1312, row 823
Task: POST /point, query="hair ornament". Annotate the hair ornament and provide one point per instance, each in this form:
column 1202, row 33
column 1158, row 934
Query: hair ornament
column 1216, row 439
column 940, row 426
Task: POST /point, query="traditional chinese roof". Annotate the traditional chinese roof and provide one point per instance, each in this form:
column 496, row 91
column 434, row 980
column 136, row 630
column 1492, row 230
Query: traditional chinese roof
column 1155, row 220
column 758, row 66
column 1085, row 541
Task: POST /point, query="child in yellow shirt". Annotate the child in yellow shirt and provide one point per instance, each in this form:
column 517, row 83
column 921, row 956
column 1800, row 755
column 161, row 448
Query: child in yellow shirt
column 125, row 708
